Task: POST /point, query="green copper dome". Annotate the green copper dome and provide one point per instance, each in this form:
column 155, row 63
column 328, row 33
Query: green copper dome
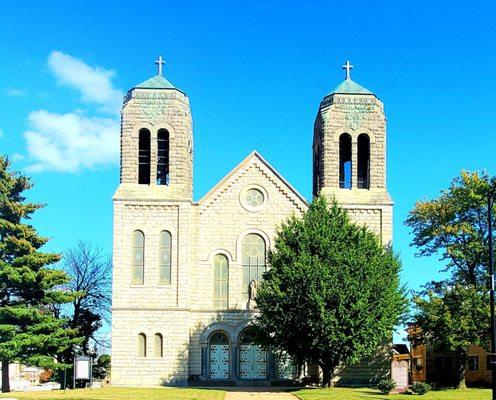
column 157, row 82
column 350, row 87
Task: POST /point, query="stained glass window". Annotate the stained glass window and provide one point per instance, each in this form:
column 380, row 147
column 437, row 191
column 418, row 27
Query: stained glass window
column 254, row 197
column 165, row 258
column 253, row 259
column 141, row 345
column 158, row 345
column 138, row 261
column 221, row 281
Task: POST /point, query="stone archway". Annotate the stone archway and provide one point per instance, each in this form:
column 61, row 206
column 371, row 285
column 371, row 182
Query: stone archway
column 252, row 357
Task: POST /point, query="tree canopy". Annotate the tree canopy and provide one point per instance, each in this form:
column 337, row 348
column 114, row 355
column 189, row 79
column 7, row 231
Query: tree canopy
column 454, row 225
column 30, row 288
column 332, row 294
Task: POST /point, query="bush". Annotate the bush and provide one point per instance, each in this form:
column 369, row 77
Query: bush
column 421, row 388
column 386, row 385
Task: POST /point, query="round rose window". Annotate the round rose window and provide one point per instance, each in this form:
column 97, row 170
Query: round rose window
column 254, row 197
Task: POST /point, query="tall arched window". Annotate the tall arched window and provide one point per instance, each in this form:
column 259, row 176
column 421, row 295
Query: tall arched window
column 141, row 350
column 164, row 268
column 138, row 261
column 363, row 169
column 221, row 281
column 162, row 157
column 253, row 259
column 345, row 169
column 144, row 157
column 158, row 345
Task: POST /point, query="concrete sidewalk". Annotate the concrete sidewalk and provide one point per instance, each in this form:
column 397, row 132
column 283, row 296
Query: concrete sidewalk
column 257, row 394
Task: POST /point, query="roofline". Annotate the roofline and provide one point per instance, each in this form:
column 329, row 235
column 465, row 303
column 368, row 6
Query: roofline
column 254, row 153
column 145, row 88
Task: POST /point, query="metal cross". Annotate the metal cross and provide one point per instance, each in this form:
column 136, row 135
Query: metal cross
column 160, row 62
column 348, row 67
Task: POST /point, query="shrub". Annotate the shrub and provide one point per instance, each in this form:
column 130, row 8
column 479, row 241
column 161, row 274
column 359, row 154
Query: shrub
column 421, row 388
column 386, row 385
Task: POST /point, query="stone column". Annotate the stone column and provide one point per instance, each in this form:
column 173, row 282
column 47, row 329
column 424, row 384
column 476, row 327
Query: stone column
column 233, row 368
column 204, row 361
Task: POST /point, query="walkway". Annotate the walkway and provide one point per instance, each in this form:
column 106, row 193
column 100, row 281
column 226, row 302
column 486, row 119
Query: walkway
column 252, row 393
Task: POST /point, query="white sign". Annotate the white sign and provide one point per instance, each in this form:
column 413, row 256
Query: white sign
column 82, row 369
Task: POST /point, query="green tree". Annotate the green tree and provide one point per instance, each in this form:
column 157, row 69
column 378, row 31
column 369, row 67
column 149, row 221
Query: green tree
column 29, row 287
column 454, row 313
column 101, row 367
column 453, row 317
column 332, row 294
column 454, row 226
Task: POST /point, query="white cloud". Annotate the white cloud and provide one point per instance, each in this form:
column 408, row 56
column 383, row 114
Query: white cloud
column 16, row 157
column 1, row 132
column 14, row 92
column 70, row 142
column 76, row 140
column 94, row 83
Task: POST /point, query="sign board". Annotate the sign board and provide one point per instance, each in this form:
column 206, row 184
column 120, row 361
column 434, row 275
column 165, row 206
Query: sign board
column 82, row 368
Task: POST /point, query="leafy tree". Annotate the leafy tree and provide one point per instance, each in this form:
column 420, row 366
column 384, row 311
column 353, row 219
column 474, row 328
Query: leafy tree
column 453, row 317
column 454, row 225
column 332, row 294
column 29, row 288
column 454, row 313
column 101, row 368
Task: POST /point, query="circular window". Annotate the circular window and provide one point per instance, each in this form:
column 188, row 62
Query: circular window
column 253, row 198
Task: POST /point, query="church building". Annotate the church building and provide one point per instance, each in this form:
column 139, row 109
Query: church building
column 182, row 311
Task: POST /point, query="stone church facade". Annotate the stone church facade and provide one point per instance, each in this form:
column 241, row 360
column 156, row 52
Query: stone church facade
column 182, row 268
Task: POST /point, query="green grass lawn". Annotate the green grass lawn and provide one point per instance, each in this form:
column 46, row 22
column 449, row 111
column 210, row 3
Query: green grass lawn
column 352, row 394
column 121, row 394
column 207, row 394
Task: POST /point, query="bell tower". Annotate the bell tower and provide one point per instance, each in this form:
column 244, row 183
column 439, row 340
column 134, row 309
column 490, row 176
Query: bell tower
column 157, row 140
column 349, row 155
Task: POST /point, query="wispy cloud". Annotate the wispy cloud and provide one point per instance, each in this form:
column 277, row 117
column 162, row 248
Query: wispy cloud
column 15, row 92
column 76, row 140
column 94, row 83
column 1, row 133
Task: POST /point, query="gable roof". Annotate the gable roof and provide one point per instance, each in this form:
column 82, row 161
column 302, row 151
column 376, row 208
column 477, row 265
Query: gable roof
column 253, row 155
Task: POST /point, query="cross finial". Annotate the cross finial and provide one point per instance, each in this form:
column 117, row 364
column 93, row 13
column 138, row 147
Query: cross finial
column 160, row 62
column 348, row 67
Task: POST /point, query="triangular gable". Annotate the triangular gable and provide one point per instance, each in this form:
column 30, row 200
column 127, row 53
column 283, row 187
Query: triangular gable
column 277, row 178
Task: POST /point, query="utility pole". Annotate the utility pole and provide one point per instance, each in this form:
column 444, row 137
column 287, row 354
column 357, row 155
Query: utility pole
column 490, row 204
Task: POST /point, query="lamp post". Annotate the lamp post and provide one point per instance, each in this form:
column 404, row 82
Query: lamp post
column 490, row 202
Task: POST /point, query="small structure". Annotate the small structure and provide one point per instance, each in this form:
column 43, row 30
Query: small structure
column 400, row 366
column 430, row 364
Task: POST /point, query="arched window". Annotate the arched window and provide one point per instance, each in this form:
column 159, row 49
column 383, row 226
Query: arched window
column 138, row 262
column 363, row 168
column 144, row 157
column 162, row 157
column 164, row 267
column 253, row 259
column 141, row 345
column 221, row 281
column 345, row 169
column 158, row 345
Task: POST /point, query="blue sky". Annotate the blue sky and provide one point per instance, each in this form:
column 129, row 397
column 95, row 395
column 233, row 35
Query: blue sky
column 255, row 73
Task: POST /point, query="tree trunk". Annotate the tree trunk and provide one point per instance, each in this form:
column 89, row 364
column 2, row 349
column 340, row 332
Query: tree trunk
column 460, row 361
column 327, row 372
column 5, row 376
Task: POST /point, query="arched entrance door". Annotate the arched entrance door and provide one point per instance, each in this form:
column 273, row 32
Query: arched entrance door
column 218, row 356
column 252, row 358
